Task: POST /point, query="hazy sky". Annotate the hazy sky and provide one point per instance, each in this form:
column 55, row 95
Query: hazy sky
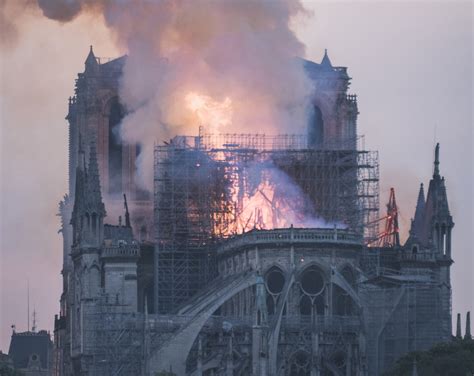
column 412, row 68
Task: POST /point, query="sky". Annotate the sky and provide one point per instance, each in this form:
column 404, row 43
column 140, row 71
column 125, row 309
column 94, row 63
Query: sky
column 411, row 65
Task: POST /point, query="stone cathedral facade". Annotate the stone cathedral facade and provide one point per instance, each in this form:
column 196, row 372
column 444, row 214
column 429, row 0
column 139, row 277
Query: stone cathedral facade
column 156, row 282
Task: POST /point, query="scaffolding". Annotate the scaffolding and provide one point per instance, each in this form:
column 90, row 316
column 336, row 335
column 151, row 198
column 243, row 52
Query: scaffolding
column 211, row 187
column 112, row 340
column 406, row 309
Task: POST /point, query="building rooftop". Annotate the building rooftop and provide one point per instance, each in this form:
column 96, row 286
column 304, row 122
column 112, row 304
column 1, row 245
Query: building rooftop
column 27, row 345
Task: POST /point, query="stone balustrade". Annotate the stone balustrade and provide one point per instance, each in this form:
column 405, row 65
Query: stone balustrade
column 292, row 236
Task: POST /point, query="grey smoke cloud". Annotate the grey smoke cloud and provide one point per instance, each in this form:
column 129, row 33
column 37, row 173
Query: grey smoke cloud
column 241, row 54
column 11, row 16
column 61, row 10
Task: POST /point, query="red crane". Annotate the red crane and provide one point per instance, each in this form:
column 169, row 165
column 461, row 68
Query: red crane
column 390, row 236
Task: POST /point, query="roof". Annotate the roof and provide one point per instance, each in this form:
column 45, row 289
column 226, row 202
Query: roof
column 24, row 345
column 115, row 65
column 315, row 71
column 117, row 233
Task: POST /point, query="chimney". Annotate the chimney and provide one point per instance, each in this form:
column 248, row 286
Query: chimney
column 458, row 326
column 467, row 333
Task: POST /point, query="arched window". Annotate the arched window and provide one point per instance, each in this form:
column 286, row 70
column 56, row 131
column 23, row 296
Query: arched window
column 94, row 224
column 116, row 114
column 88, row 221
column 94, row 280
column 316, row 128
column 300, row 364
column 307, row 304
column 275, row 280
column 312, row 281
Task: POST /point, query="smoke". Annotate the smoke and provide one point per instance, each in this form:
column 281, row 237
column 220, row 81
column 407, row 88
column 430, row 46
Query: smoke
column 238, row 54
column 11, row 14
column 272, row 199
column 61, row 10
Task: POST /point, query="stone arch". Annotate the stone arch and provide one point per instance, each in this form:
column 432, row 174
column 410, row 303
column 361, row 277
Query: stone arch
column 94, row 278
column 345, row 298
column 322, row 266
column 348, row 272
column 323, row 106
column 335, row 363
column 299, row 363
column 173, row 353
column 307, row 304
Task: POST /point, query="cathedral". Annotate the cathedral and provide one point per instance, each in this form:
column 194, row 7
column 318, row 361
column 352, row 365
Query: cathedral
column 253, row 255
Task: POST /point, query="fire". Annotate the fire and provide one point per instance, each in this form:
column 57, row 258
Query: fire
column 257, row 210
column 273, row 204
column 263, row 197
column 213, row 114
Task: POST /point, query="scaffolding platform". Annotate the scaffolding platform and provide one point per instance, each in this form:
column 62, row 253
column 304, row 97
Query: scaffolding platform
column 204, row 187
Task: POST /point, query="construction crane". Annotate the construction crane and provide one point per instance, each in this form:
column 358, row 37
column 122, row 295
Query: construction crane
column 127, row 214
column 390, row 236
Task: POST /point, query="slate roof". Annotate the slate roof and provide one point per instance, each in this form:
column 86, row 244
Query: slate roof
column 23, row 345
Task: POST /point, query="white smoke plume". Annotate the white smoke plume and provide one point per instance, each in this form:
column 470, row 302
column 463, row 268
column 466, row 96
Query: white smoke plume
column 229, row 66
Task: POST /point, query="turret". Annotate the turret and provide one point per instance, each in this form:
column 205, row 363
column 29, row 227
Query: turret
column 437, row 222
column 91, row 64
column 89, row 210
column 326, row 62
column 417, row 223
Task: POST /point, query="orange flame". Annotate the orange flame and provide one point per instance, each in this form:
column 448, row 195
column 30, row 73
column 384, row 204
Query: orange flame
column 209, row 112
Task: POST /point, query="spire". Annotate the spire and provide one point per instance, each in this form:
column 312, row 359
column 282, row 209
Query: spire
column 436, row 162
column 91, row 62
column 467, row 333
column 437, row 220
column 89, row 210
column 417, row 223
column 326, row 62
column 458, row 326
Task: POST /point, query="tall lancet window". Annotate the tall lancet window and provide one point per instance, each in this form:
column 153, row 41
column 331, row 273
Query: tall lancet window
column 316, row 128
column 115, row 148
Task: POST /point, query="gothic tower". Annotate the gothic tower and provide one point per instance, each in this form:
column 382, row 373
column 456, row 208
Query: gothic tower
column 430, row 240
column 333, row 120
column 87, row 222
column 95, row 113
